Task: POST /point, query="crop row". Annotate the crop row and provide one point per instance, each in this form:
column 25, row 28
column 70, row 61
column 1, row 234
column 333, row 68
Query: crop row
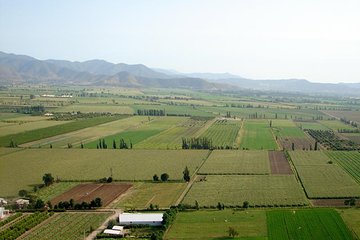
column 68, row 226
column 223, row 133
column 350, row 161
column 23, row 225
column 10, row 219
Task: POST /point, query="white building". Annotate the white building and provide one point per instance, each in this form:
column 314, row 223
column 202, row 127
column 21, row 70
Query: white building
column 153, row 219
column 21, row 203
column 3, row 212
column 113, row 232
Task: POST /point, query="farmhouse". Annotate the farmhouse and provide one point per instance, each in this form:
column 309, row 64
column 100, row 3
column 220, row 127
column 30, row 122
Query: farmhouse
column 152, row 219
column 21, row 203
column 3, row 202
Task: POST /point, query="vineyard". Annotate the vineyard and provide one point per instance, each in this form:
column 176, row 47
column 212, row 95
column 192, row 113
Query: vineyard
column 69, row 226
column 306, row 224
column 332, row 141
column 223, row 133
column 350, row 161
column 10, row 219
column 258, row 190
column 25, row 224
column 236, row 162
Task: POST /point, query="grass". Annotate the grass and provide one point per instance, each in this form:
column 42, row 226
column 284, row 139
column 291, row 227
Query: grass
column 92, row 164
column 70, row 226
column 258, row 190
column 249, row 224
column 256, row 135
column 350, row 161
column 50, row 192
column 236, row 162
column 286, row 128
column 306, row 224
column 41, row 133
column 143, row 194
column 223, row 132
column 352, row 219
column 322, row 179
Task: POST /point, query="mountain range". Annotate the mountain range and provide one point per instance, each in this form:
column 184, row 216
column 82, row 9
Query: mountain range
column 21, row 69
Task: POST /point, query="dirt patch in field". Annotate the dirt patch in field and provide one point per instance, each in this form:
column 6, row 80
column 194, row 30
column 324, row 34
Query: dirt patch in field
column 331, row 202
column 278, row 163
column 299, row 143
column 90, row 191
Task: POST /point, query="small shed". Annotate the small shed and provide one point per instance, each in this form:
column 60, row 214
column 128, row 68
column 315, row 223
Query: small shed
column 152, row 219
column 118, row 228
column 113, row 232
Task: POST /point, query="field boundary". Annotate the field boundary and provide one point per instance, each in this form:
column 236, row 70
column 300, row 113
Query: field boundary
column 238, row 137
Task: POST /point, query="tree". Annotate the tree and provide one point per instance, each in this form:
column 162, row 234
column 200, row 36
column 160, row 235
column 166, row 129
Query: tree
column 293, row 146
column 219, row 206
column 109, row 179
column 155, row 178
column 270, row 123
column 232, row 232
column 23, row 193
column 39, row 204
column 48, row 179
column 316, row 146
column 197, row 205
column 164, row 177
column 245, row 204
column 114, row 144
column 81, row 145
column 186, row 174
column 50, row 145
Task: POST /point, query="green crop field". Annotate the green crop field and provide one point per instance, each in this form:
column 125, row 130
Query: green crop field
column 350, row 115
column 172, row 137
column 41, row 133
column 213, row 224
column 312, row 125
column 256, row 134
column 258, row 190
column 335, row 125
column 48, row 193
column 143, row 194
column 70, row 226
column 350, row 161
column 236, row 162
column 89, row 134
column 223, row 132
column 306, row 224
column 107, row 108
column 322, row 178
column 92, row 164
column 286, row 128
column 352, row 219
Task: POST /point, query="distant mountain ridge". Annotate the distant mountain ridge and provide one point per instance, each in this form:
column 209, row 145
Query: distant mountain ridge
column 21, row 69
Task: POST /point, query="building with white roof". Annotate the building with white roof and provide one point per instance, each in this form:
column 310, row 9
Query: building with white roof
column 152, row 219
column 113, row 232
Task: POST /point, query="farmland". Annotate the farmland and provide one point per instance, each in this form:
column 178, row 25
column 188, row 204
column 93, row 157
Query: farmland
column 311, row 125
column 37, row 134
column 236, row 162
column 350, row 115
column 223, row 133
column 214, row 225
column 89, row 191
column 350, row 161
column 102, row 108
column 75, row 138
column 143, row 194
column 258, row 190
column 306, row 224
column 286, row 128
column 322, row 178
column 256, row 135
column 171, row 138
column 352, row 218
column 68, row 226
column 92, row 164
column 278, row 163
column 50, row 192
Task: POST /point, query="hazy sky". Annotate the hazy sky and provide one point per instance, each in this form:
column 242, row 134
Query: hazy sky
column 313, row 39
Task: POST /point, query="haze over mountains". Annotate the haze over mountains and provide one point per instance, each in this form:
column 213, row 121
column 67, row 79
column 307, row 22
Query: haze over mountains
column 20, row 69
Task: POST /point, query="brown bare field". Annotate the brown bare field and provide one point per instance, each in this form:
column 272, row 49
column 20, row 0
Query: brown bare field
column 300, row 143
column 335, row 202
column 278, row 163
column 90, row 191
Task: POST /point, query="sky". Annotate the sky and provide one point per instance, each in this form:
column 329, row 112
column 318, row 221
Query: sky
column 318, row 40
